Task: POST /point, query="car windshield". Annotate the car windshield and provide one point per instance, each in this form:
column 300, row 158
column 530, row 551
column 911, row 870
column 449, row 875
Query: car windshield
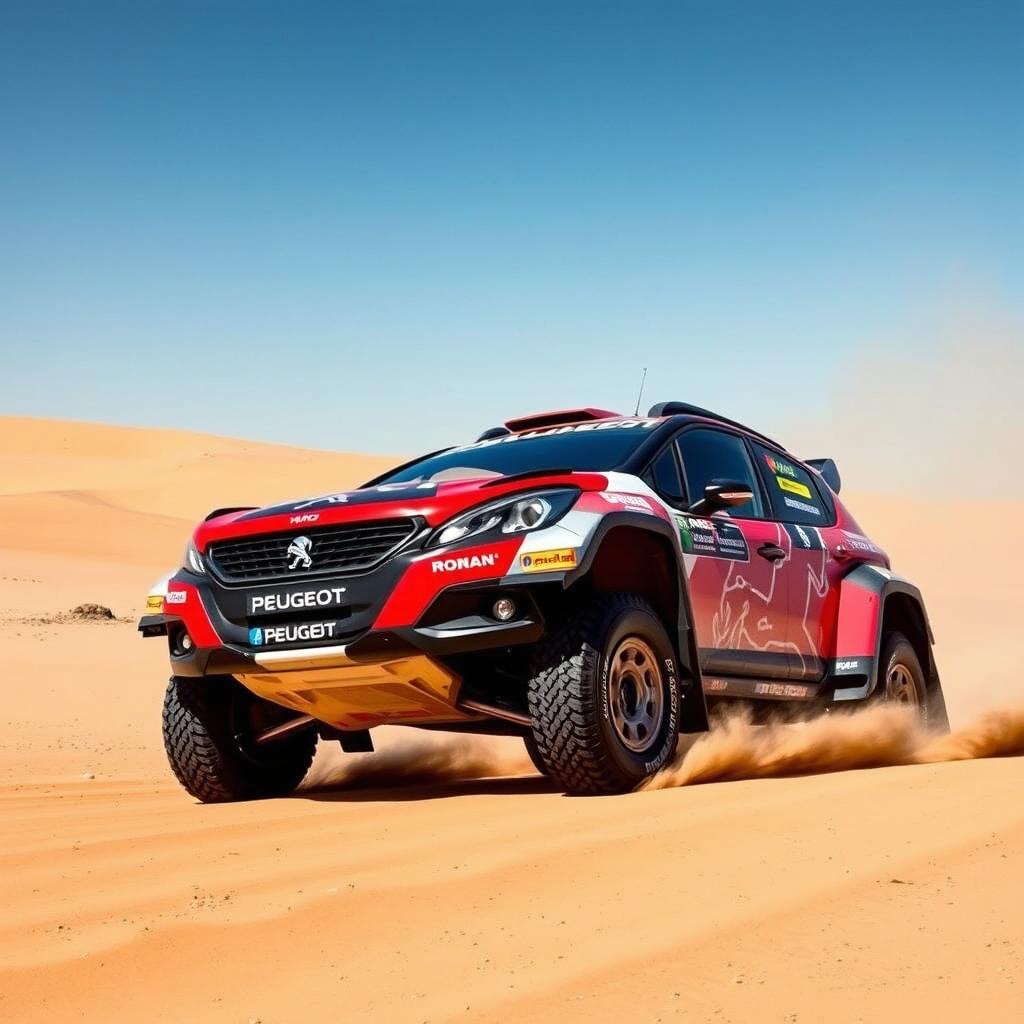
column 589, row 446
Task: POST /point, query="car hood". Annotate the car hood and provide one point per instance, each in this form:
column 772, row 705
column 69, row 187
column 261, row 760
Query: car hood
column 435, row 502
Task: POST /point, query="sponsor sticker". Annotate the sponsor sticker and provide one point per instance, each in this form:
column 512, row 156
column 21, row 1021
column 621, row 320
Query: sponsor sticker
column 260, row 636
column 859, row 542
column 636, row 501
column 464, row 562
column 715, row 538
column 850, row 665
column 780, row 468
column 802, row 506
column 289, row 600
column 781, row 690
column 548, row 561
column 793, row 486
column 176, row 597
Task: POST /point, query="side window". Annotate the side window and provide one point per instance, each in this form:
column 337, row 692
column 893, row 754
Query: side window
column 794, row 493
column 714, row 455
column 663, row 477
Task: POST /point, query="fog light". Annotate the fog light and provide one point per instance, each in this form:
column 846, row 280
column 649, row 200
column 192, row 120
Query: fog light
column 504, row 609
column 185, row 642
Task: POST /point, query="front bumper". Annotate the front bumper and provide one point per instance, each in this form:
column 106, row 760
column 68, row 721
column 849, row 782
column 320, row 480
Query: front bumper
column 375, row 668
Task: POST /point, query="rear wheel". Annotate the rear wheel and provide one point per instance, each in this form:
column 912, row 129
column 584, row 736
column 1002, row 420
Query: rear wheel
column 209, row 728
column 604, row 698
column 901, row 679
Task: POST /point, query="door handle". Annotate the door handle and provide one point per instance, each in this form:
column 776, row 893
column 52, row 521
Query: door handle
column 771, row 551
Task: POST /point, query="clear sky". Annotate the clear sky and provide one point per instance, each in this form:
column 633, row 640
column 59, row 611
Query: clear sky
column 385, row 226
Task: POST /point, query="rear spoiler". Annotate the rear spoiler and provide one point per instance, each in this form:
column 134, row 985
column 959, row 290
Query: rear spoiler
column 828, row 471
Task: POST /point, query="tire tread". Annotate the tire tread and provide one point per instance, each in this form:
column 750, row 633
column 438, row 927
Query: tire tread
column 561, row 701
column 205, row 761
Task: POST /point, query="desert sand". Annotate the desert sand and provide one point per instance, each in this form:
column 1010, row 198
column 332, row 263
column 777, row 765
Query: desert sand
column 441, row 879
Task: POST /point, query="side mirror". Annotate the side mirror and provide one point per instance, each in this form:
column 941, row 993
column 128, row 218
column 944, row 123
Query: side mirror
column 720, row 494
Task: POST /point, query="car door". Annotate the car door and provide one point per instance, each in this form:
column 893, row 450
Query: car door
column 735, row 564
column 801, row 506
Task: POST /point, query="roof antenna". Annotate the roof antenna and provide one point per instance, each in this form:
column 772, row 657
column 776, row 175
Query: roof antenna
column 643, row 381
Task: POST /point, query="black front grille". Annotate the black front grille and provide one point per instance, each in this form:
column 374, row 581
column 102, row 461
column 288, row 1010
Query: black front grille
column 338, row 550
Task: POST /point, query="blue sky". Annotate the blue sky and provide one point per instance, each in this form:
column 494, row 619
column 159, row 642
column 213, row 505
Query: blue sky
column 382, row 227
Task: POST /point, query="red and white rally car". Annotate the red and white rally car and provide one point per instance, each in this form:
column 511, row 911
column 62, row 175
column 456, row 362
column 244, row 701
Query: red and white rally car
column 590, row 581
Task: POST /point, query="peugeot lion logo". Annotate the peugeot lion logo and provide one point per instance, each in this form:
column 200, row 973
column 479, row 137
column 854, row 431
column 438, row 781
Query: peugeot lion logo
column 298, row 552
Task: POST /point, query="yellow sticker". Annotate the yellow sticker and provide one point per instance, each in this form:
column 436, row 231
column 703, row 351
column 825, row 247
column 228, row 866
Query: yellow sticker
column 548, row 561
column 155, row 603
column 794, row 486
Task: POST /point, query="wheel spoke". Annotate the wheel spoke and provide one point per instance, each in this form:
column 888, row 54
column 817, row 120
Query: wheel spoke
column 635, row 694
column 900, row 687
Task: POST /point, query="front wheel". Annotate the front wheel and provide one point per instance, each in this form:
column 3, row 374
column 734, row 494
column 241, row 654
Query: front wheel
column 534, row 754
column 604, row 697
column 209, row 727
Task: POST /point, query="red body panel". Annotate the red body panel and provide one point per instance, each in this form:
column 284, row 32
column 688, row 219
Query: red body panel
column 791, row 605
column 858, row 614
column 741, row 605
column 846, row 548
column 436, row 571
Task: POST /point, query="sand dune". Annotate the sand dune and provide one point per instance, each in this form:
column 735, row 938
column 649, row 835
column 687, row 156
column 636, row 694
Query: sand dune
column 441, row 879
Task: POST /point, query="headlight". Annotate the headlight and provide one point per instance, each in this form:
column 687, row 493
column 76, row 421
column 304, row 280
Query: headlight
column 192, row 560
column 516, row 514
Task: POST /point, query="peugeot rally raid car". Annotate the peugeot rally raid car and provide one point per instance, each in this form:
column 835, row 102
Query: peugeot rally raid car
column 592, row 582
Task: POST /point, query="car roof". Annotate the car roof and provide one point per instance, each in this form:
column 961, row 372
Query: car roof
column 677, row 412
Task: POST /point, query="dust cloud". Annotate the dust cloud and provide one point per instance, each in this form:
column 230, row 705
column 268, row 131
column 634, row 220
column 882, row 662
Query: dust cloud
column 930, row 410
column 426, row 758
column 734, row 749
column 873, row 738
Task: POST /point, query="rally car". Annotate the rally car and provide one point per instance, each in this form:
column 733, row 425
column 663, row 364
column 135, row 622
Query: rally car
column 590, row 581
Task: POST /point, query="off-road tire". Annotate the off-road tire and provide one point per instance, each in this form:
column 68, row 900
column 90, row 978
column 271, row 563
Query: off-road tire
column 207, row 752
column 900, row 659
column 931, row 708
column 531, row 749
column 568, row 697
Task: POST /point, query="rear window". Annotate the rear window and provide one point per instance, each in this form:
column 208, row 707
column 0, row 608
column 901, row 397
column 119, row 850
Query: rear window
column 794, row 494
column 602, row 445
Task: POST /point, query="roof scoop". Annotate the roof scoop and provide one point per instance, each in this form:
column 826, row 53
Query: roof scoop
column 555, row 419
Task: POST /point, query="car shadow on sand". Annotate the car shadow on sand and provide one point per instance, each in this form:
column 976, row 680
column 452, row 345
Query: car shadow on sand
column 368, row 790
